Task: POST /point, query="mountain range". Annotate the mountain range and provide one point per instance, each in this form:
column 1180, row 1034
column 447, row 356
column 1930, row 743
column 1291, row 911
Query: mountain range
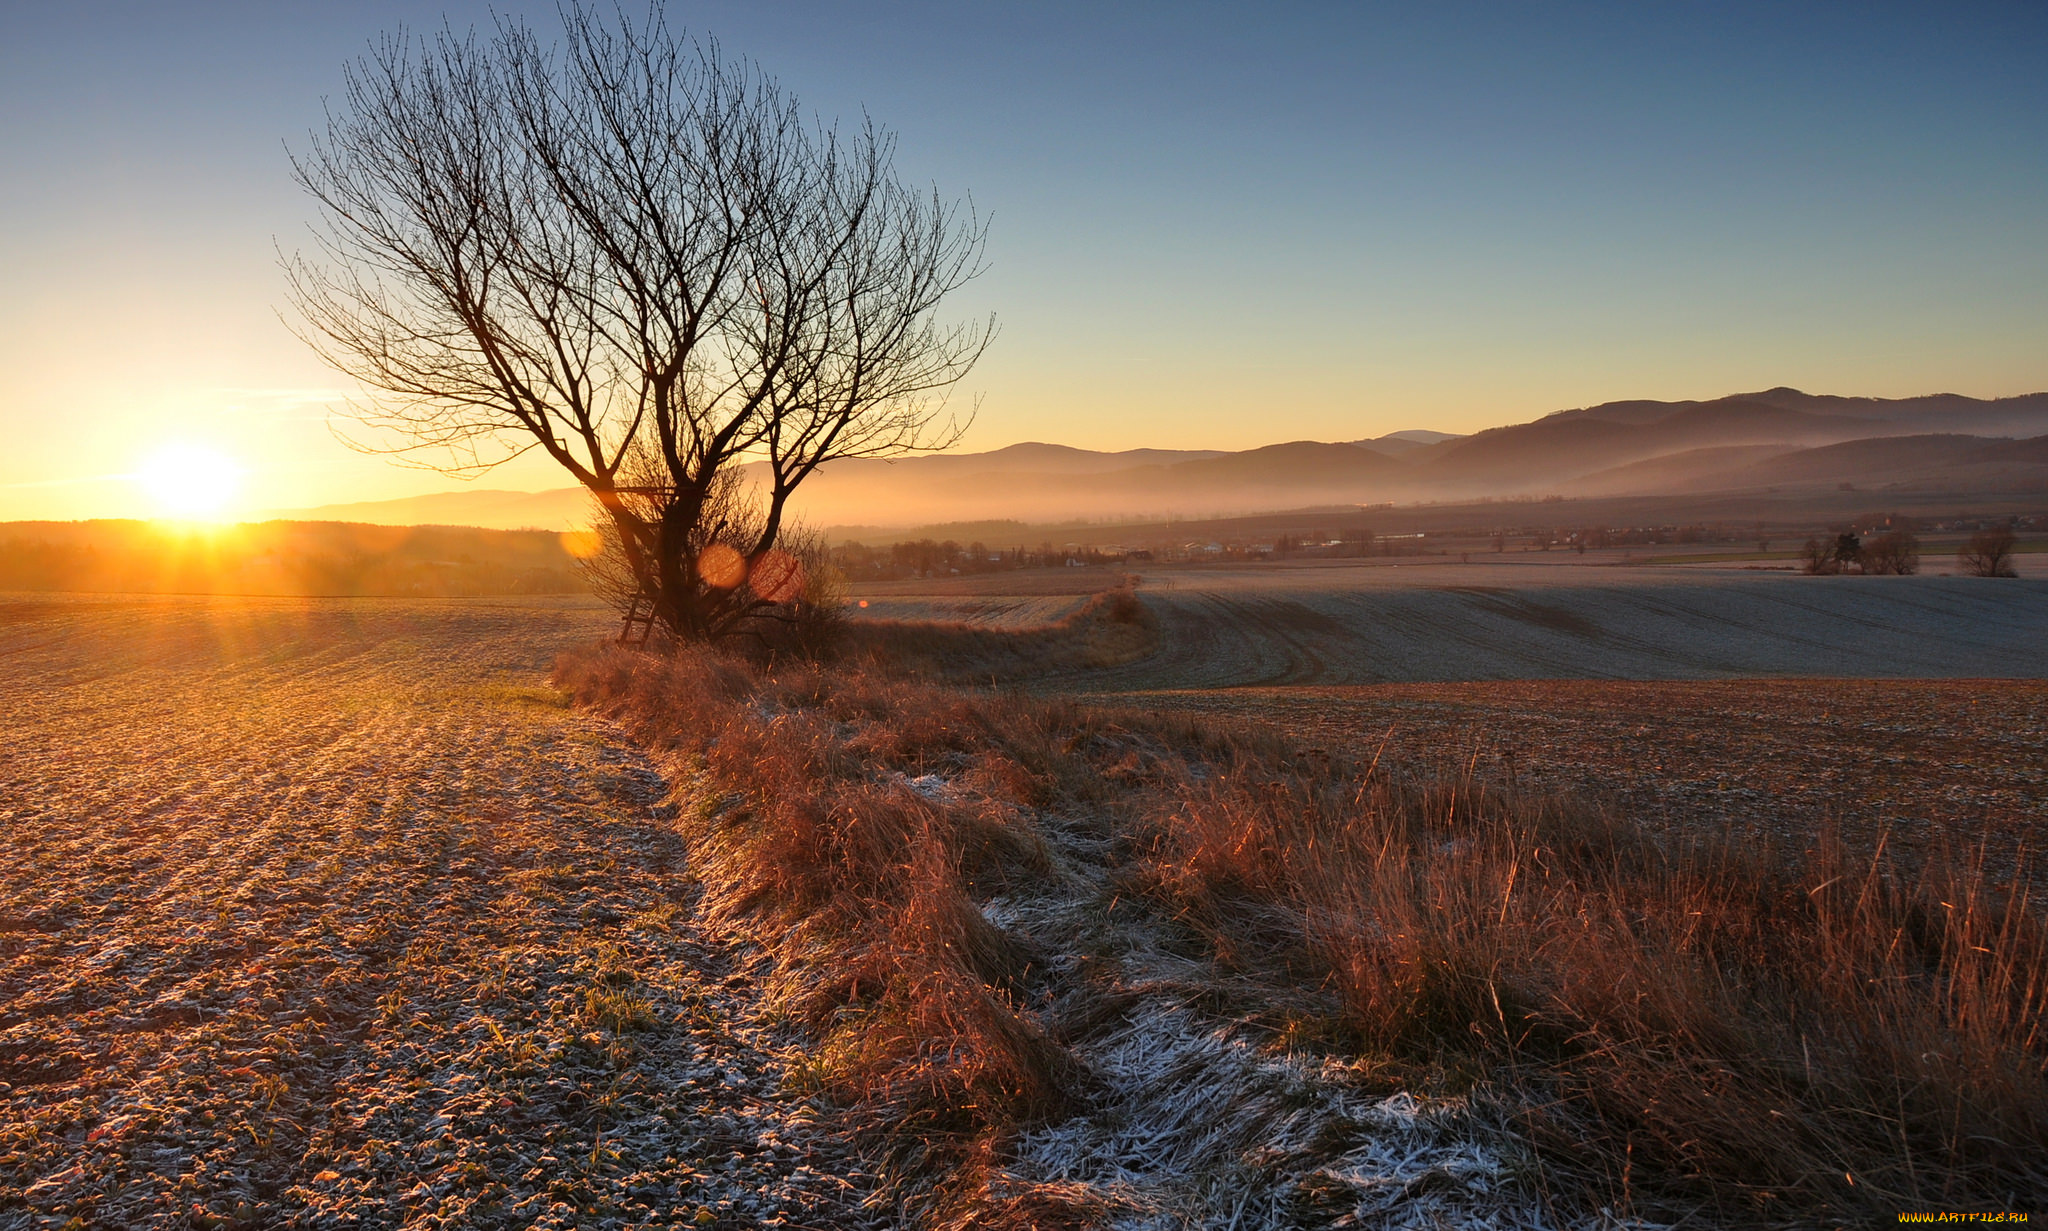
column 1775, row 440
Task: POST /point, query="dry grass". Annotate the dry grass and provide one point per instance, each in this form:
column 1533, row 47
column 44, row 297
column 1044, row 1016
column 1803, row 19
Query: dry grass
column 1914, row 763
column 861, row 879
column 1683, row 1030
column 1696, row 1025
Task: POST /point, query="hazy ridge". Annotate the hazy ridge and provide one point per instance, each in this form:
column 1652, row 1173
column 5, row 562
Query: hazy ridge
column 1767, row 441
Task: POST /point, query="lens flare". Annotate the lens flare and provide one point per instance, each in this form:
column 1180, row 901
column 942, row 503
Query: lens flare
column 582, row 544
column 777, row 576
column 721, row 566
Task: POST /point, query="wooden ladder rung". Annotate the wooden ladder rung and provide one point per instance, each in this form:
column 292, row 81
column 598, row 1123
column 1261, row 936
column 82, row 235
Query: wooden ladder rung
column 635, row 616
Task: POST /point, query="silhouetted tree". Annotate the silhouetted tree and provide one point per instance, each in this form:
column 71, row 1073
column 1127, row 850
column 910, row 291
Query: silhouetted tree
column 1848, row 550
column 635, row 255
column 1817, row 557
column 1895, row 551
column 1989, row 553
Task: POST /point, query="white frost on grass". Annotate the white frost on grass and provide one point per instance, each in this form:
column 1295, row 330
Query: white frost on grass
column 1200, row 1120
column 1198, row 1126
column 935, row 787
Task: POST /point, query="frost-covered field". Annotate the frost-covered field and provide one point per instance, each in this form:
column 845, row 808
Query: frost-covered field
column 1376, row 622
column 324, row 913
column 1015, row 612
column 1016, row 599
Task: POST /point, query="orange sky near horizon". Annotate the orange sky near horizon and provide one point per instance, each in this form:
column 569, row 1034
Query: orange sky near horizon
column 1321, row 225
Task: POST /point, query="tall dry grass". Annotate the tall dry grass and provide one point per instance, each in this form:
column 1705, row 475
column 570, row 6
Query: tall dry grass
column 1675, row 1027
column 1681, row 1025
column 814, row 831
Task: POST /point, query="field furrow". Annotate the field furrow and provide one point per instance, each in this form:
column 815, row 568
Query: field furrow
column 1372, row 623
column 330, row 913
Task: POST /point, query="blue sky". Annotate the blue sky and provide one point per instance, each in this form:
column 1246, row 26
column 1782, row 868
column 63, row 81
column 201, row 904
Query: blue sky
column 1212, row 226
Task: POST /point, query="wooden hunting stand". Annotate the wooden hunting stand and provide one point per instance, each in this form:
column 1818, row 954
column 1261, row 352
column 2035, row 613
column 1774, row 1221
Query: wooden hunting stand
column 638, row 612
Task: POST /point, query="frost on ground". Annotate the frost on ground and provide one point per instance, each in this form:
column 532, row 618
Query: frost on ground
column 1031, row 611
column 1197, row 1120
column 325, row 913
column 1269, row 626
column 1202, row 1127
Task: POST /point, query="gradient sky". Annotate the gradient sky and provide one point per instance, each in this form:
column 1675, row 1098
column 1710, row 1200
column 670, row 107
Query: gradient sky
column 1213, row 226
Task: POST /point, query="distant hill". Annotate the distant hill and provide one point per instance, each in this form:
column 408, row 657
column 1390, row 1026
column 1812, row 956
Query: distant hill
column 556, row 509
column 1035, row 458
column 1934, row 461
column 2035, row 450
column 1401, row 444
column 1744, row 441
column 1298, row 463
column 1566, row 448
column 1672, row 471
column 1937, row 413
column 1573, row 443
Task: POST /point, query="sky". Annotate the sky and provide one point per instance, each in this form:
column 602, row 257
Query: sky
column 1211, row 226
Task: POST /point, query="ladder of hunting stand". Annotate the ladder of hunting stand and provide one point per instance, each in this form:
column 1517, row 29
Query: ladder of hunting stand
column 641, row 612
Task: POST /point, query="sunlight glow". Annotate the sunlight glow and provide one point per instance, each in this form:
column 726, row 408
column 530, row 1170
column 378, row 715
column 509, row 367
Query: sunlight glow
column 190, row 481
column 582, row 544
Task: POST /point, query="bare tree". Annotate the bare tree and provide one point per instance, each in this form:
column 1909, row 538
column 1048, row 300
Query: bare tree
column 634, row 254
column 1989, row 553
column 1895, row 551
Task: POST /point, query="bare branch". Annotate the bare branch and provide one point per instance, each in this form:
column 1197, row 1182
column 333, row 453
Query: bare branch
column 633, row 253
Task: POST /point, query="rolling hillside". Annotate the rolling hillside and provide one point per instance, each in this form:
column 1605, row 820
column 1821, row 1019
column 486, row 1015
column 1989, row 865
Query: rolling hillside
column 1768, row 439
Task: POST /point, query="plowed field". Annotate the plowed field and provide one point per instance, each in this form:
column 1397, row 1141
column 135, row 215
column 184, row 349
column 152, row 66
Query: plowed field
column 329, row 913
column 1359, row 624
column 1922, row 763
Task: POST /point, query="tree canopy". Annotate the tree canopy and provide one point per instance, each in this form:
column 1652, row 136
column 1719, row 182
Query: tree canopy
column 636, row 254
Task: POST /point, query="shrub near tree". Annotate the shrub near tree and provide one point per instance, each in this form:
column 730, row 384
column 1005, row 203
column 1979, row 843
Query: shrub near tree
column 1989, row 553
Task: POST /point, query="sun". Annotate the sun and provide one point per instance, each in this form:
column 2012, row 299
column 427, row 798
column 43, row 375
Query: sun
column 190, row 481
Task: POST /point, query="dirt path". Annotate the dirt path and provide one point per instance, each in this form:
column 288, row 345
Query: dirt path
column 329, row 913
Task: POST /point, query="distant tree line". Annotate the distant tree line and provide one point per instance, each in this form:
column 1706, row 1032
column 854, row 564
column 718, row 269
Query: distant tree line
column 287, row 558
column 940, row 558
column 1896, row 551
